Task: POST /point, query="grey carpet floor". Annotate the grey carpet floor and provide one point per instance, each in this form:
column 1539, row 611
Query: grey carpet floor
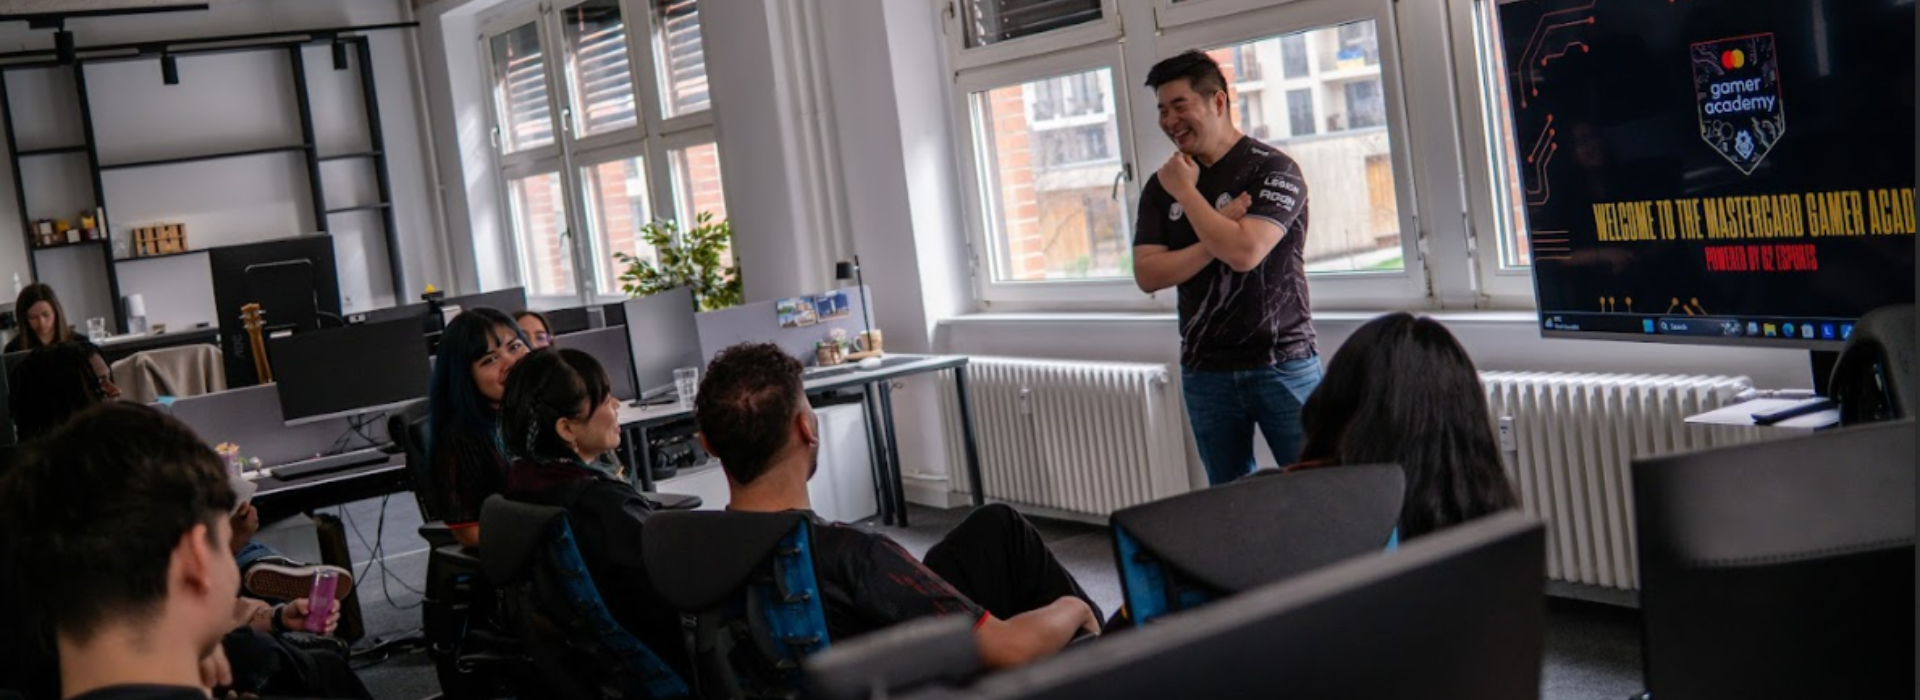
column 1592, row 650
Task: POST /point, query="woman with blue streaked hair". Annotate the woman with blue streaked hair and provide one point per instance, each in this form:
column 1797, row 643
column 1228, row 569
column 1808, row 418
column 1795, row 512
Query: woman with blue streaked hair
column 477, row 351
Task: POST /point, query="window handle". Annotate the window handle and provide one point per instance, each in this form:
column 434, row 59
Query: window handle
column 1126, row 173
column 566, row 120
column 493, row 136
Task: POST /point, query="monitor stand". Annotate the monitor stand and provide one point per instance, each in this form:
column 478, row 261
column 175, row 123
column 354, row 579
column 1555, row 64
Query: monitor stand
column 1822, row 362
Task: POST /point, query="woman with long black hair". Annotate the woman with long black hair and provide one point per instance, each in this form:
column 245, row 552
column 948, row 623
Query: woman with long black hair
column 477, row 351
column 1402, row 390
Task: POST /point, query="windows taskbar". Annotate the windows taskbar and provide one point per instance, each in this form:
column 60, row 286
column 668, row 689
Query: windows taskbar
column 1834, row 330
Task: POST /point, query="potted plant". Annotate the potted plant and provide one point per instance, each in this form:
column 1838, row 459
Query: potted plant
column 685, row 259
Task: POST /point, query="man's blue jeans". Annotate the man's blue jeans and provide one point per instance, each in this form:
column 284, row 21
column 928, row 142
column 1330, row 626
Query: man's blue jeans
column 1225, row 406
column 251, row 552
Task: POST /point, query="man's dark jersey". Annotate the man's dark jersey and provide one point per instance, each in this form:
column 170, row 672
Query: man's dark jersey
column 1240, row 320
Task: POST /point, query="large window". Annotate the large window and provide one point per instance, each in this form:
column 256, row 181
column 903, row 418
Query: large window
column 587, row 157
column 1054, row 125
column 1050, row 157
column 1337, row 101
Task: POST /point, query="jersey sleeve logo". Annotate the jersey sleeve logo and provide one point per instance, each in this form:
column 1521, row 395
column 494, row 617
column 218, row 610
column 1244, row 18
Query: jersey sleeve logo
column 1176, row 212
column 1221, row 201
column 1279, row 180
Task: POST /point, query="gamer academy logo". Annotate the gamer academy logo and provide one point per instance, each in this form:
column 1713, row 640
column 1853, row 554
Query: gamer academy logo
column 1736, row 83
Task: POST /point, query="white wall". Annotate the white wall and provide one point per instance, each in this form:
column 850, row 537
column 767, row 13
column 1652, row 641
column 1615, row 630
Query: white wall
column 453, row 71
column 232, row 102
column 761, row 117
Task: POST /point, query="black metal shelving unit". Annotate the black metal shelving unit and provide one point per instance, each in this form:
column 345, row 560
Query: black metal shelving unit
column 292, row 44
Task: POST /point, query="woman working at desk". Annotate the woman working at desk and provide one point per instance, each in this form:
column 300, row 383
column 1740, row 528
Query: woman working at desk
column 42, row 321
column 477, row 350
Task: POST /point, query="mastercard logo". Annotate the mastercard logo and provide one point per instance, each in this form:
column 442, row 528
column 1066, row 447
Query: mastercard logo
column 1734, row 59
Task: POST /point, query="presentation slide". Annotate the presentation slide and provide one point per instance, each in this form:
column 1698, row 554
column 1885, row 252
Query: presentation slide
column 1729, row 171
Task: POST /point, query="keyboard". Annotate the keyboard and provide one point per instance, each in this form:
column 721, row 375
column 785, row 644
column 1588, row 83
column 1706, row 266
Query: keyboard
column 328, row 464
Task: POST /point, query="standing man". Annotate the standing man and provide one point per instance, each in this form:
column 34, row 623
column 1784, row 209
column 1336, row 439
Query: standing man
column 1226, row 220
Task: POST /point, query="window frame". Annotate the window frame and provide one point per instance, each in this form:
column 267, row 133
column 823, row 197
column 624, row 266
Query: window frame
column 650, row 138
column 983, row 246
column 1224, row 22
column 1332, row 290
column 1501, row 286
column 965, row 59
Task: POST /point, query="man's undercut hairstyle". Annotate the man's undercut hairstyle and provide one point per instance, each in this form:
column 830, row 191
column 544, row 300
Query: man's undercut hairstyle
column 93, row 512
column 1198, row 69
column 748, row 398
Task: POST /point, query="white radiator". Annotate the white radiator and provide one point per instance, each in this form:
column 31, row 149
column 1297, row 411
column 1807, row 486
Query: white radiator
column 1071, row 438
column 1568, row 440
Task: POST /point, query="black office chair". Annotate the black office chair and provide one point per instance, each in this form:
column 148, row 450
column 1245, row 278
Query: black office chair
column 548, row 598
column 1874, row 378
column 456, row 617
column 1780, row 569
column 744, row 584
column 407, row 428
column 1172, row 554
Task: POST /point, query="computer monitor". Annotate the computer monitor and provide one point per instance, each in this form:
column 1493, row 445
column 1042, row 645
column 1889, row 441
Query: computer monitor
column 564, row 321
column 1709, row 171
column 1459, row 614
column 346, row 371
column 1782, row 569
column 614, row 314
column 415, row 312
column 284, row 290
column 661, row 331
column 507, row 301
column 609, row 347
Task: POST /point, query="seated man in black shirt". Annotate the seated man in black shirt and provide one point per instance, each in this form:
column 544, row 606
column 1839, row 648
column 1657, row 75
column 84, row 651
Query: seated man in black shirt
column 118, row 531
column 753, row 415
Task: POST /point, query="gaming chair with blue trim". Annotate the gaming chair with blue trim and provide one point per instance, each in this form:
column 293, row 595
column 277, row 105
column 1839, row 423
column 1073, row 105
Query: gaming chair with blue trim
column 1182, row 552
column 745, row 587
column 549, row 600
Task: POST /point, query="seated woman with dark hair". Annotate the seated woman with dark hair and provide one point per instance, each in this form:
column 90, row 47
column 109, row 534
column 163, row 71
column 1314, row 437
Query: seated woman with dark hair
column 1402, row 390
column 477, row 351
column 42, row 322
column 559, row 418
column 55, row 382
column 535, row 327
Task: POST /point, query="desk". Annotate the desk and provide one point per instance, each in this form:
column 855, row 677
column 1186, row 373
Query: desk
column 120, row 347
column 877, row 393
column 278, row 499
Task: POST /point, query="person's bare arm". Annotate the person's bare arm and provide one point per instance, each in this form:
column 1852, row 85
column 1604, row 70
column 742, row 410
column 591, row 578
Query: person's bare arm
column 1032, row 635
column 467, row 535
column 1156, row 268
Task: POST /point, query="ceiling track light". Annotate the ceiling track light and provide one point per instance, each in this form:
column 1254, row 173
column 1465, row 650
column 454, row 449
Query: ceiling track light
column 169, row 69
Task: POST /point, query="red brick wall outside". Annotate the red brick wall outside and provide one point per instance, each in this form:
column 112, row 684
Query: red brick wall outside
column 549, row 264
column 613, row 198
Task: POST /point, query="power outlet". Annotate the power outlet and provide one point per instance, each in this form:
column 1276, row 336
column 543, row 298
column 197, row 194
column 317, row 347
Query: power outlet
column 1506, row 435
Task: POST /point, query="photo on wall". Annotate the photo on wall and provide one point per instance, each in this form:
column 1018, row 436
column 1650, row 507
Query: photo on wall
column 796, row 312
column 832, row 305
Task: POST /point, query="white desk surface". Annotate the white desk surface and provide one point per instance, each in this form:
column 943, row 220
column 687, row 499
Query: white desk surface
column 630, row 414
